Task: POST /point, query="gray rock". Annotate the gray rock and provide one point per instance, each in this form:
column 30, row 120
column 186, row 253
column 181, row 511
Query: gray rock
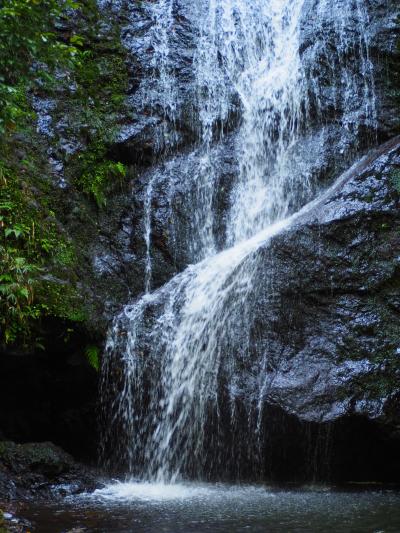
column 41, row 470
column 324, row 299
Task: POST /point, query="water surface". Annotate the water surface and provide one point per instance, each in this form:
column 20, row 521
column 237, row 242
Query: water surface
column 197, row 508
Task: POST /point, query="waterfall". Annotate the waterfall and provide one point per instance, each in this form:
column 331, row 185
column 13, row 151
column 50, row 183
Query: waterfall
column 171, row 370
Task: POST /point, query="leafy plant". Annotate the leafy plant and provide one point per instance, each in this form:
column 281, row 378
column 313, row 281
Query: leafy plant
column 17, row 280
column 98, row 175
column 92, row 354
column 30, row 51
column 38, row 259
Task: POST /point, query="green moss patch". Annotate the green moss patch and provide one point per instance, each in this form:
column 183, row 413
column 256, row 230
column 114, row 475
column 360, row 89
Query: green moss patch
column 41, row 259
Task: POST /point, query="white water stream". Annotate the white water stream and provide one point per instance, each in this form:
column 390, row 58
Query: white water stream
column 167, row 348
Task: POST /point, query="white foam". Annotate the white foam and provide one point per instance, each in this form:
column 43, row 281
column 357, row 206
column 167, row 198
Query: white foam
column 133, row 491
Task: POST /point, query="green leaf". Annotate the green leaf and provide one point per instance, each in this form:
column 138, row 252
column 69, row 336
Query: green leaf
column 16, row 231
column 92, row 354
column 77, row 40
column 24, row 292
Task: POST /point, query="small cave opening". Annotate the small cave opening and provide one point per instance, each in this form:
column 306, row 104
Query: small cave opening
column 351, row 449
column 51, row 394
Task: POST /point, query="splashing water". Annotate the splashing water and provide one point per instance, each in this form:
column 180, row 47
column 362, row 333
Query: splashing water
column 165, row 353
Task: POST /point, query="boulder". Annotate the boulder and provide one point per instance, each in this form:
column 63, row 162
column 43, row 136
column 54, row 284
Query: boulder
column 41, row 470
column 327, row 301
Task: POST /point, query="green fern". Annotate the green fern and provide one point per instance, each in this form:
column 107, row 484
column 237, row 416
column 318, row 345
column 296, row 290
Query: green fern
column 92, row 354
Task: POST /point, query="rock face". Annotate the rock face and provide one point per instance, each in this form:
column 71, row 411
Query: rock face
column 40, row 471
column 332, row 317
column 165, row 103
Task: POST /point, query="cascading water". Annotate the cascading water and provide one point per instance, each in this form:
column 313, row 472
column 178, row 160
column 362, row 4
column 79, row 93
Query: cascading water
column 172, row 364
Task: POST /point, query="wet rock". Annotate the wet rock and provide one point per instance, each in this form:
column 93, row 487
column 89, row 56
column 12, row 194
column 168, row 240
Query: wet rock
column 12, row 523
column 338, row 96
column 160, row 121
column 326, row 315
column 41, row 470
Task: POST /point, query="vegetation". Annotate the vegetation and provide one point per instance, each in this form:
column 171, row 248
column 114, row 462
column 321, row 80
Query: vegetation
column 30, row 51
column 96, row 106
column 93, row 356
column 42, row 55
column 2, row 523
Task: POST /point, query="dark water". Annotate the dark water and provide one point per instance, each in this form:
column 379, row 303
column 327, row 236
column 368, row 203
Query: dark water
column 194, row 508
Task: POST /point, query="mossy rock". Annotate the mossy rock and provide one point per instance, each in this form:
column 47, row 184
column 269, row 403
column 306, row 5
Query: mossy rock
column 42, row 458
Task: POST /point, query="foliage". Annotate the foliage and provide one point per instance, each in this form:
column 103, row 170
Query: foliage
column 43, row 54
column 97, row 174
column 30, row 51
column 30, row 241
column 93, row 356
column 16, row 293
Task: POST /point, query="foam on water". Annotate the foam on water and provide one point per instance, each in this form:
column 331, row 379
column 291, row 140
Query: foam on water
column 164, row 492
column 150, row 492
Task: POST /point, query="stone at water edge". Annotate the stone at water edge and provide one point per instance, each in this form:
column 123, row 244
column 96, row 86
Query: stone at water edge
column 41, row 470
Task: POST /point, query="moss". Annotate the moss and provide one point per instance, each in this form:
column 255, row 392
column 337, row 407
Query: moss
column 35, row 226
column 3, row 528
column 96, row 106
column 395, row 178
